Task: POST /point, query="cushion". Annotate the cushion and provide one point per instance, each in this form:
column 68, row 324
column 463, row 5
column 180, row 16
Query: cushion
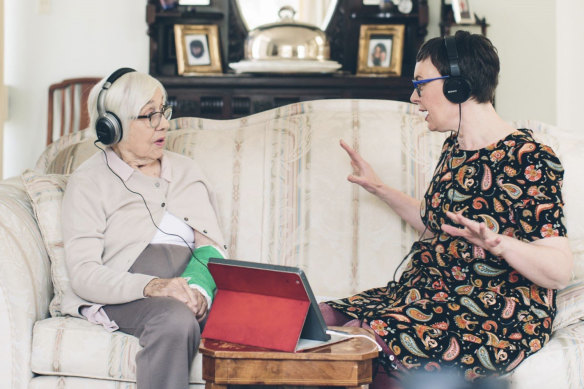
column 568, row 146
column 570, row 306
column 62, row 143
column 557, row 365
column 52, row 382
column 68, row 346
column 46, row 195
column 68, row 159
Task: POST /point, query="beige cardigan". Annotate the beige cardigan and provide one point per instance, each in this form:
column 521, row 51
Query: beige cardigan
column 106, row 227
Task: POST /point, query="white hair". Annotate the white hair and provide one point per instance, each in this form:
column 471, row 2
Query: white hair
column 125, row 97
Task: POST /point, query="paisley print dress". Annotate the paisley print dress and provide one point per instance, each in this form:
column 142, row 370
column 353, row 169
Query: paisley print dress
column 457, row 305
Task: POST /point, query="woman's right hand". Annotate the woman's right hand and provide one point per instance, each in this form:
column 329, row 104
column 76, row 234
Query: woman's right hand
column 363, row 174
column 407, row 207
column 179, row 289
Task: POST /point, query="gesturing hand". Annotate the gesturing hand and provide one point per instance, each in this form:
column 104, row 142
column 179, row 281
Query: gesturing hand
column 180, row 290
column 476, row 233
column 363, row 174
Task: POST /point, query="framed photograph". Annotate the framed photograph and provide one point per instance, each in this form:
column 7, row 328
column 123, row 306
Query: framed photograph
column 461, row 11
column 197, row 49
column 381, row 49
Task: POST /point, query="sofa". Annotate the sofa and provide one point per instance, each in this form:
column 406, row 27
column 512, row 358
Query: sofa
column 280, row 181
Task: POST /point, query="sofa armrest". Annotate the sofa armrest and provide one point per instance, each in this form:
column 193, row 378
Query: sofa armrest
column 558, row 365
column 25, row 283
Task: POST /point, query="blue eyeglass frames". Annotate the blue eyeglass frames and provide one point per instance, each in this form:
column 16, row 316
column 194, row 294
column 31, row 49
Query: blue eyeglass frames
column 417, row 83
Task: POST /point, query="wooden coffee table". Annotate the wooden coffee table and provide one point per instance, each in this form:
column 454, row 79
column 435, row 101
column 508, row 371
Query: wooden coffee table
column 347, row 363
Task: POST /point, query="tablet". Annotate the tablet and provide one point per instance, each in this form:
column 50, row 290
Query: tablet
column 263, row 305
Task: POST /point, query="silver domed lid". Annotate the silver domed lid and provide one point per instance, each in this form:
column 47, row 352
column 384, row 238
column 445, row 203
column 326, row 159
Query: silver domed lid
column 287, row 39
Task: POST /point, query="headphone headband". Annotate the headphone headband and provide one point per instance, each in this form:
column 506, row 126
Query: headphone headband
column 115, row 75
column 106, row 85
column 108, row 126
column 456, row 88
column 452, row 53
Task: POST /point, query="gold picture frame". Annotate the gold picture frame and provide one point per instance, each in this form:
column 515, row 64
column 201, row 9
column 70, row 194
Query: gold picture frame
column 381, row 49
column 197, row 49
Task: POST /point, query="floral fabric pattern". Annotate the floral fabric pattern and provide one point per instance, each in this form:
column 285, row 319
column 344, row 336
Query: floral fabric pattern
column 456, row 304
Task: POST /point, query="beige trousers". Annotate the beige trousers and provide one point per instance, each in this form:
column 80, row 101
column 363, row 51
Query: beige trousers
column 167, row 330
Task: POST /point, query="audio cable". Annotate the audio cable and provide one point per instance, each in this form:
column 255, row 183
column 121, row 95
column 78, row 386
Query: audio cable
column 148, row 208
column 446, row 158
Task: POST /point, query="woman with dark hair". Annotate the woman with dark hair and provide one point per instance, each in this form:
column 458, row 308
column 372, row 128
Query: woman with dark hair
column 379, row 54
column 478, row 293
column 197, row 48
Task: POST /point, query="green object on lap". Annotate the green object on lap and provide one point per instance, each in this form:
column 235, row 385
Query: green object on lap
column 197, row 272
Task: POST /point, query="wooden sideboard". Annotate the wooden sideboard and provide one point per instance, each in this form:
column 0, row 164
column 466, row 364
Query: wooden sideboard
column 230, row 95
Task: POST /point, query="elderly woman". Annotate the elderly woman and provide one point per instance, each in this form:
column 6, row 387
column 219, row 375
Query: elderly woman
column 134, row 216
column 478, row 294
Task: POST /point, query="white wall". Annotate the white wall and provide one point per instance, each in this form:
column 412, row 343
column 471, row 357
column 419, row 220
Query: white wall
column 570, row 58
column 75, row 38
column 524, row 32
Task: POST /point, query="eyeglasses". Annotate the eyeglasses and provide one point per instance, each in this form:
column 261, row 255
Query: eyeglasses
column 417, row 83
column 155, row 117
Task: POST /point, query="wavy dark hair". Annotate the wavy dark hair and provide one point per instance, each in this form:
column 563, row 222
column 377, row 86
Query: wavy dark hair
column 477, row 58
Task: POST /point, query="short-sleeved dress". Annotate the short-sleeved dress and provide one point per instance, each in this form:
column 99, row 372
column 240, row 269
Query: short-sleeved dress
column 457, row 305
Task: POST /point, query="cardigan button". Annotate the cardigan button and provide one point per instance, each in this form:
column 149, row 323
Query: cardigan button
column 162, row 205
column 225, row 246
column 157, row 184
column 186, row 219
column 204, row 231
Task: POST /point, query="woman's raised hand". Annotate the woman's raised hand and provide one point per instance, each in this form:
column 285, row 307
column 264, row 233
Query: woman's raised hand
column 179, row 289
column 474, row 232
column 363, row 174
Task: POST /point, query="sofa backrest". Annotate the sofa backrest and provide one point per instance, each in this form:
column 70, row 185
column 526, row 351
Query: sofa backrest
column 280, row 180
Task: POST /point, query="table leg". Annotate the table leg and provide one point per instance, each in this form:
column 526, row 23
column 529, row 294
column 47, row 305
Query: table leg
column 212, row 385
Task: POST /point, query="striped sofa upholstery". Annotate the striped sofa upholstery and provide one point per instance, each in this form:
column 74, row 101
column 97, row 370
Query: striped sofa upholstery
column 280, row 180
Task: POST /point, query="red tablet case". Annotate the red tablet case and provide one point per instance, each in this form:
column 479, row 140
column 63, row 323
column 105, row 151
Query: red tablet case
column 257, row 307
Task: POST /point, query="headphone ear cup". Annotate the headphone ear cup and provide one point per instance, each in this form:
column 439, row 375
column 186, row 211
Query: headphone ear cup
column 108, row 129
column 457, row 89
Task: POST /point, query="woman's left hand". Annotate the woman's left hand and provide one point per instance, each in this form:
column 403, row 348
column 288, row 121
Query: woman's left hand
column 546, row 262
column 474, row 232
column 180, row 290
column 202, row 307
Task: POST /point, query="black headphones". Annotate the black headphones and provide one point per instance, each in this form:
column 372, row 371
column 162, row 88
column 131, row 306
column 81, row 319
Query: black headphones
column 456, row 88
column 108, row 126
